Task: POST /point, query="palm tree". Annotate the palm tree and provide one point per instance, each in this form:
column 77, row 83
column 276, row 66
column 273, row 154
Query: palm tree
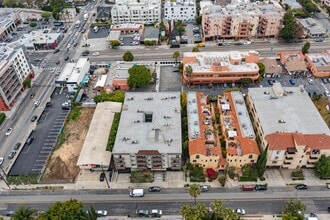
column 176, row 55
column 91, row 214
column 23, row 213
column 195, row 49
column 194, row 191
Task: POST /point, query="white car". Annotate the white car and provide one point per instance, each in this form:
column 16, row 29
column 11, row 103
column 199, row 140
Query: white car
column 156, row 213
column 102, row 212
column 9, row 131
column 96, row 53
column 70, row 33
column 1, row 160
column 240, row 211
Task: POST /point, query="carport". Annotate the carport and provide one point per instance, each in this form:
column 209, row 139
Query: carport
column 93, row 154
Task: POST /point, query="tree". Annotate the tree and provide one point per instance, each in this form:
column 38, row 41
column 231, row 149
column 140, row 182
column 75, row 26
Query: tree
column 91, row 214
column 23, row 213
column 181, row 29
column 294, row 208
column 306, row 47
column 262, row 69
column 246, row 81
column 176, row 55
column 27, row 82
column 322, row 167
column 198, row 20
column 196, row 212
column 45, row 15
column 33, row 24
column 115, row 44
column 195, row 49
column 189, row 70
column 261, row 163
column 139, row 76
column 194, row 191
column 128, row 56
column 289, row 22
column 69, row 210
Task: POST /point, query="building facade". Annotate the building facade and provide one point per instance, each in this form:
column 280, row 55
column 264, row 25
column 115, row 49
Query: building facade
column 9, row 20
column 14, row 69
column 296, row 150
column 219, row 67
column 319, row 63
column 237, row 130
column 312, row 28
column 149, row 133
column 241, row 21
column 204, row 145
column 134, row 11
column 183, row 10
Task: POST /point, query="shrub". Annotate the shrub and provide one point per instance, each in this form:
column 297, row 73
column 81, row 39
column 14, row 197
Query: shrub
column 2, row 117
column 222, row 180
column 231, row 173
column 113, row 131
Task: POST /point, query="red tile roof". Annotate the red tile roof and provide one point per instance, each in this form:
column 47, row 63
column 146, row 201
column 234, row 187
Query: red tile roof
column 248, row 146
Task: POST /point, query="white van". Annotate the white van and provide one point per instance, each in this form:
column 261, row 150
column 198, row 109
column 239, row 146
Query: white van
column 136, row 193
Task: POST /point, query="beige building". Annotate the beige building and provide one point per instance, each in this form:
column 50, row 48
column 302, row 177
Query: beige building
column 258, row 19
column 236, row 126
column 204, row 145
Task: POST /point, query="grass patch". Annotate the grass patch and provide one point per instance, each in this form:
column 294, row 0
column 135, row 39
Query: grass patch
column 321, row 107
column 74, row 114
column 297, row 175
column 141, row 177
column 197, row 174
column 113, row 131
column 2, row 117
column 62, row 137
column 24, row 179
column 249, row 174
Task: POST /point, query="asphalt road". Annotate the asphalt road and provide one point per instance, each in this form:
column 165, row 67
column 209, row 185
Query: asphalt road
column 267, row 202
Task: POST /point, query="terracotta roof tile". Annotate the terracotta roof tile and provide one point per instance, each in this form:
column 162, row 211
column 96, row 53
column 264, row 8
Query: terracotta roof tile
column 197, row 146
column 248, row 146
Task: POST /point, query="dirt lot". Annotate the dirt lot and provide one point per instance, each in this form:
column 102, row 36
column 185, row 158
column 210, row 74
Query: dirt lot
column 62, row 164
column 321, row 105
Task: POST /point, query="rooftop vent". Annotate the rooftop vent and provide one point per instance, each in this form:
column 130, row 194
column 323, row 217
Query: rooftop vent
column 281, row 121
column 135, row 142
column 149, row 98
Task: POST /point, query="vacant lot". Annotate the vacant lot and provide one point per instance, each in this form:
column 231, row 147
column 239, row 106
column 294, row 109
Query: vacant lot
column 321, row 105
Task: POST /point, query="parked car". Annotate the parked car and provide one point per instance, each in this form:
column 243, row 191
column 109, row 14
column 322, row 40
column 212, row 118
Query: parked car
column 102, row 212
column 32, row 95
column 319, row 40
column 17, row 146
column 324, row 80
column 301, row 186
column 96, row 53
column 12, row 154
column 292, row 82
column 154, row 189
column 240, row 211
column 56, row 50
column 142, row 213
column 30, row 140
column 37, row 103
column 102, row 176
column 66, row 59
column 34, row 118
column 58, row 62
column 204, row 188
column 1, row 160
column 261, row 187
column 9, row 131
column 156, row 213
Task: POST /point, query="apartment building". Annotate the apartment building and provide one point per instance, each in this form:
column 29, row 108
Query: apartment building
column 204, row 145
column 9, row 19
column 149, row 133
column 184, row 10
column 319, row 63
column 312, row 28
column 241, row 21
column 286, row 111
column 296, row 150
column 219, row 67
column 136, row 11
column 237, row 129
column 14, row 69
column 73, row 75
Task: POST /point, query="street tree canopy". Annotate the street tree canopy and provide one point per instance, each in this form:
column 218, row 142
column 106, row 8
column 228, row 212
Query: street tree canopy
column 322, row 167
column 46, row 15
column 294, row 208
column 139, row 76
column 289, row 22
column 305, row 48
column 69, row 210
column 128, row 56
column 176, row 55
column 194, row 191
column 23, row 213
column 195, row 49
column 115, row 44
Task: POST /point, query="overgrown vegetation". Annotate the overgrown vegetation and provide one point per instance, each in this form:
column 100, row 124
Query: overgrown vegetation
column 23, row 179
column 2, row 117
column 297, row 175
column 249, row 174
column 184, row 127
column 74, row 114
column 116, row 96
column 113, row 132
column 322, row 167
column 321, row 105
column 141, row 177
column 196, row 174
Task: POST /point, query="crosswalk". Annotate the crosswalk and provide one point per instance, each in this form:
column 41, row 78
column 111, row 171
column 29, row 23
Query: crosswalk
column 53, row 69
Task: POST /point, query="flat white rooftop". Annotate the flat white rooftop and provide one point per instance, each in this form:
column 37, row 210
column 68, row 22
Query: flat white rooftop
column 150, row 121
column 287, row 109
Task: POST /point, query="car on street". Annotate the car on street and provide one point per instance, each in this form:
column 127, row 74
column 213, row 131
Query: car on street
column 66, row 59
column 1, row 160
column 34, row 118
column 17, row 146
column 37, row 103
column 58, row 62
column 298, row 41
column 240, row 211
column 319, row 40
column 9, row 131
column 326, row 93
column 56, row 50
column 301, row 186
column 154, row 189
column 30, row 140
column 142, row 213
column 12, row 154
column 102, row 212
column 102, row 176
column 32, row 95
column 261, row 187
column 96, row 53
column 156, row 213
column 204, row 188
column 324, row 80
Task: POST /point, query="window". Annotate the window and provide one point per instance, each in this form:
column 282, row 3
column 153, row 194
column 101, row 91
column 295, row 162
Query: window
column 250, row 156
column 148, row 117
column 278, row 152
column 194, row 161
column 197, row 156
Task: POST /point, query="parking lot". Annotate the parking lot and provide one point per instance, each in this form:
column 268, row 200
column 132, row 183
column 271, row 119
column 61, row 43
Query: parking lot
column 102, row 32
column 170, row 79
column 33, row 157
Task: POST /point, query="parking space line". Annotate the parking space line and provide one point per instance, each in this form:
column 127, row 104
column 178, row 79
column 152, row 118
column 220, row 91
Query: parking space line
column 47, row 148
column 51, row 135
column 36, row 169
column 49, row 143
column 38, row 164
column 58, row 122
column 44, row 152
column 41, row 161
column 53, row 132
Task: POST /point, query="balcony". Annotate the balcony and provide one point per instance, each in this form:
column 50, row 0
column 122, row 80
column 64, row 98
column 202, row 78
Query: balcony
column 288, row 158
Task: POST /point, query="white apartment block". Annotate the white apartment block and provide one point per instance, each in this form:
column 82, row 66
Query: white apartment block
column 184, row 10
column 257, row 19
column 9, row 20
column 14, row 69
column 134, row 11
